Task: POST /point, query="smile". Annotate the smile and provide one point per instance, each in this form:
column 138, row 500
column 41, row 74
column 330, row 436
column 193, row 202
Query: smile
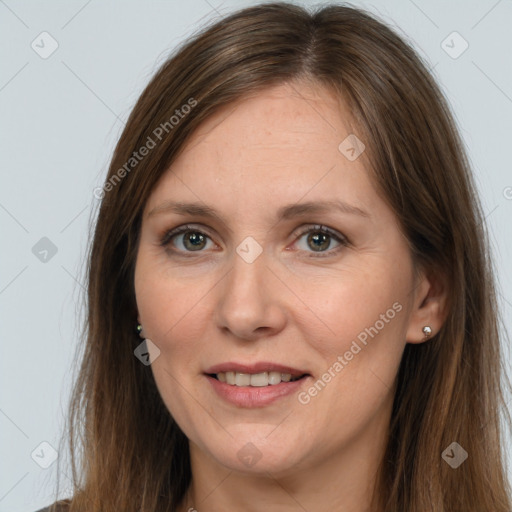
column 256, row 379
column 256, row 384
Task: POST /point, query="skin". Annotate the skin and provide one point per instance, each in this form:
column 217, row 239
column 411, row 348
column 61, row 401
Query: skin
column 292, row 305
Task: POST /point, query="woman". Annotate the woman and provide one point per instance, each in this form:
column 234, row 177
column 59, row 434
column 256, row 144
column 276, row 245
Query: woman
column 291, row 302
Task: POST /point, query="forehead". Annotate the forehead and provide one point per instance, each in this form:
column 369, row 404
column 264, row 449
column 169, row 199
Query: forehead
column 282, row 141
column 279, row 118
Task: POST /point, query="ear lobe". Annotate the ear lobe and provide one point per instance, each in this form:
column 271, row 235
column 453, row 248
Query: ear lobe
column 429, row 309
column 139, row 327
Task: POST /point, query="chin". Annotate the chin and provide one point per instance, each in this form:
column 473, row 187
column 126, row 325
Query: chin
column 257, row 449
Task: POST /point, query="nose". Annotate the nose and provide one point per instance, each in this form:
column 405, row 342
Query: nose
column 250, row 303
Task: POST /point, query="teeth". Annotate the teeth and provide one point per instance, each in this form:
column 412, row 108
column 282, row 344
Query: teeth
column 276, row 377
column 256, row 379
column 242, row 379
column 260, row 379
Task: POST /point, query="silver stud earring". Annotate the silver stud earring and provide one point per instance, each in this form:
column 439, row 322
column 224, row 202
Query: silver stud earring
column 139, row 331
column 427, row 331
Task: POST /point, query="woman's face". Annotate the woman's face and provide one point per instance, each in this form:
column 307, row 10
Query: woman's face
column 253, row 295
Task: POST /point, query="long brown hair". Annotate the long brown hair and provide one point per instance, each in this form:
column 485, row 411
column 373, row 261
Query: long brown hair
column 127, row 452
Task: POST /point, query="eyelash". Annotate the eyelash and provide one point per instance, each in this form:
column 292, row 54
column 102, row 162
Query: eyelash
column 318, row 228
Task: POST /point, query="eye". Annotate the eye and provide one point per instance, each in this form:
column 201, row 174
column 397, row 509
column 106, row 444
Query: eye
column 319, row 239
column 185, row 239
column 189, row 238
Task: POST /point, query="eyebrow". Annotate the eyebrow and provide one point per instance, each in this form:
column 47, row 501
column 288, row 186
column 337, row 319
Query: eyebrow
column 286, row 212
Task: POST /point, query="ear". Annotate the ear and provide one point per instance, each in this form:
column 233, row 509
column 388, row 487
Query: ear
column 429, row 306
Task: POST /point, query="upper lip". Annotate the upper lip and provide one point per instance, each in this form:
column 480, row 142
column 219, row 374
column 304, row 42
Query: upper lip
column 259, row 367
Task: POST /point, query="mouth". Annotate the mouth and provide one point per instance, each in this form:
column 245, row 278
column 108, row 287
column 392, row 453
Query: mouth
column 260, row 374
column 258, row 380
column 255, row 385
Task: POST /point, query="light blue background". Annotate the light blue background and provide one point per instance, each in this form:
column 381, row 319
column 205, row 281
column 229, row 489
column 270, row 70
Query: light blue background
column 60, row 118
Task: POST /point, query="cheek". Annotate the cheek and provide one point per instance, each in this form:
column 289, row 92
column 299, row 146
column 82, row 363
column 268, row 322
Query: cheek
column 359, row 336
column 172, row 309
column 363, row 323
column 172, row 313
column 357, row 307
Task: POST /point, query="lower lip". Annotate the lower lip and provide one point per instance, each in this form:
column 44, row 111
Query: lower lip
column 253, row 396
